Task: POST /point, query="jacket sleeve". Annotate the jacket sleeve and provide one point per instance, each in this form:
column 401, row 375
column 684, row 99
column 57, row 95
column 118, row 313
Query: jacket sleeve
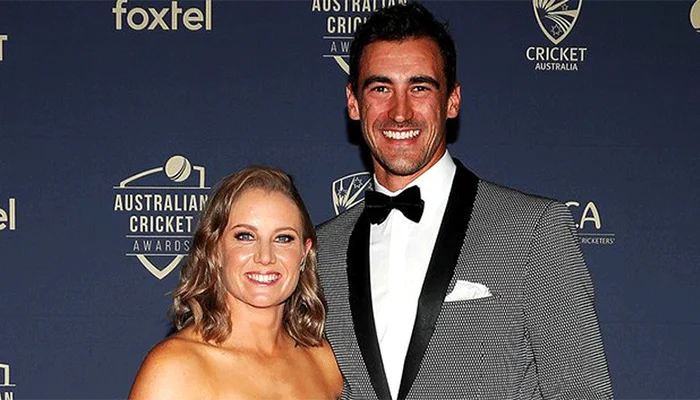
column 347, row 391
column 561, row 321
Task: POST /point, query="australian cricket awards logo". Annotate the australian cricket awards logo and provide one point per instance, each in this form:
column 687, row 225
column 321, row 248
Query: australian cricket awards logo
column 342, row 18
column 6, row 385
column 589, row 224
column 349, row 190
column 161, row 205
column 556, row 19
column 695, row 16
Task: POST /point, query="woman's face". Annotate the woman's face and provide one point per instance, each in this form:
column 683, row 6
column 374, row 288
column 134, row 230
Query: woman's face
column 262, row 249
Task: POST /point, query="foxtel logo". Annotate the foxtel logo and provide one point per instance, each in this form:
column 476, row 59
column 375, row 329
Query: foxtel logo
column 5, row 376
column 3, row 39
column 8, row 219
column 166, row 19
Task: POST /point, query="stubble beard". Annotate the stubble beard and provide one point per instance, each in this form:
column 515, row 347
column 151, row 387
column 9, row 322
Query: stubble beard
column 397, row 166
column 400, row 166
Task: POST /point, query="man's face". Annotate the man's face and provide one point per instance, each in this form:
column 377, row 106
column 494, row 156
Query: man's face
column 403, row 106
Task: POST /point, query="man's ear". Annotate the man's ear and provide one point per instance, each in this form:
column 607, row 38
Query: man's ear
column 353, row 106
column 453, row 101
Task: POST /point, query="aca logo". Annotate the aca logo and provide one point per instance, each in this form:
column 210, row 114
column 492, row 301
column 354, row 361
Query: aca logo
column 694, row 16
column 3, row 39
column 556, row 19
column 160, row 205
column 349, row 190
column 166, row 19
column 8, row 218
column 589, row 224
column 342, row 18
column 6, row 385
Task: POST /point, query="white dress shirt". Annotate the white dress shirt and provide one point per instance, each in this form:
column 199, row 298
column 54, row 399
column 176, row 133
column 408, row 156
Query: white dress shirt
column 400, row 251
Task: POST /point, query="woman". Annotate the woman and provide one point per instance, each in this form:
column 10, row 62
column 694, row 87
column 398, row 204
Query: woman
column 248, row 308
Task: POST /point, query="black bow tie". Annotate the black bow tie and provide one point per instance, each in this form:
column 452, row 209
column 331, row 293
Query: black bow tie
column 378, row 206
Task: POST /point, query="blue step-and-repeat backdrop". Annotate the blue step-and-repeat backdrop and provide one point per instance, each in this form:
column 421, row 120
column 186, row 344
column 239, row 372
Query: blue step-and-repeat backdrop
column 117, row 117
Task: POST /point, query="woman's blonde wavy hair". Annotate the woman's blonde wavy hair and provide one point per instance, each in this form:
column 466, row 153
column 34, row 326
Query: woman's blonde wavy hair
column 200, row 297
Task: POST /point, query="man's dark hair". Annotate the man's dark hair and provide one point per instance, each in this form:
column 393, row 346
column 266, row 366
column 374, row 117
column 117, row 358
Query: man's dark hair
column 400, row 22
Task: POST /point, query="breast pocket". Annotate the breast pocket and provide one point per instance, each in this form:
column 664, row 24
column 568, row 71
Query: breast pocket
column 473, row 315
column 484, row 335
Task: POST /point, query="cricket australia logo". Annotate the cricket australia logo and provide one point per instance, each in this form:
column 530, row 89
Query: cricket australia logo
column 556, row 18
column 161, row 204
column 695, row 16
column 349, row 191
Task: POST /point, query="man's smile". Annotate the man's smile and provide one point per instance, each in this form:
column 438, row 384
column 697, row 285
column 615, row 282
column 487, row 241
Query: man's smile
column 400, row 135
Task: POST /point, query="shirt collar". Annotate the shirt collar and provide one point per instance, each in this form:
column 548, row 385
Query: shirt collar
column 434, row 184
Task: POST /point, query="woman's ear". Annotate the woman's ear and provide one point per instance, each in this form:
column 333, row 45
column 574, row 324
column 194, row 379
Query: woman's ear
column 307, row 247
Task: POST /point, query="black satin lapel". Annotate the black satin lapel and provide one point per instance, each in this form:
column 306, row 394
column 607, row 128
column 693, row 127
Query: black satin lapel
column 440, row 270
column 361, row 306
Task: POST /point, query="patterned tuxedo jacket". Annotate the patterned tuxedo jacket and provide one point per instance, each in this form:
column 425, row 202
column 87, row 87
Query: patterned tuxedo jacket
column 535, row 337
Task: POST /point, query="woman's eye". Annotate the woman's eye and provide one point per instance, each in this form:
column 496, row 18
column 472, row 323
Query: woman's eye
column 245, row 236
column 285, row 238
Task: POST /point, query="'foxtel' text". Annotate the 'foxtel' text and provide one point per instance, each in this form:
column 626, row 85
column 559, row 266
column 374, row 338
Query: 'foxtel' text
column 166, row 19
column 8, row 219
column 3, row 39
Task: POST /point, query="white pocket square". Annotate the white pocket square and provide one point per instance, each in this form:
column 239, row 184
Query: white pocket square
column 465, row 290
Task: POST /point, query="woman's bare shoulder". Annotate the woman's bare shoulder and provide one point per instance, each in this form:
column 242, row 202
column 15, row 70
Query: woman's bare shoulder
column 325, row 359
column 175, row 368
column 323, row 352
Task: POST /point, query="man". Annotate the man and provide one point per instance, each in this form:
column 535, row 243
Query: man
column 443, row 285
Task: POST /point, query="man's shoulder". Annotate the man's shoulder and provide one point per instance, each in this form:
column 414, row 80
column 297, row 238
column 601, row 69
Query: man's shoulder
column 333, row 239
column 340, row 224
column 506, row 196
column 498, row 202
column 490, row 194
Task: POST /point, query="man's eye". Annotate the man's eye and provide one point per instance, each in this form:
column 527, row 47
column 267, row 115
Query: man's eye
column 420, row 88
column 285, row 238
column 379, row 89
column 244, row 236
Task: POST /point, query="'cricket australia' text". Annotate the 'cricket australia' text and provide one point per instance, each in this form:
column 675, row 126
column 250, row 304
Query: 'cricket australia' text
column 556, row 58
